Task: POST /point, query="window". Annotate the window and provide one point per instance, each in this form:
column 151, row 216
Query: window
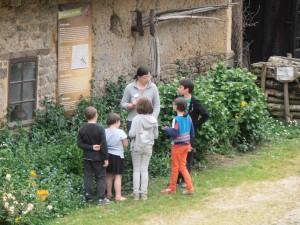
column 22, row 89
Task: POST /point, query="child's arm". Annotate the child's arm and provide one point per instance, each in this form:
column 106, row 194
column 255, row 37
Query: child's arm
column 125, row 142
column 81, row 143
column 156, row 132
column 202, row 114
column 172, row 132
column 192, row 131
column 132, row 131
column 104, row 150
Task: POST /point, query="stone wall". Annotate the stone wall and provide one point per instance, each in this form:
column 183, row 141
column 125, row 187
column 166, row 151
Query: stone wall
column 31, row 30
column 121, row 53
column 3, row 87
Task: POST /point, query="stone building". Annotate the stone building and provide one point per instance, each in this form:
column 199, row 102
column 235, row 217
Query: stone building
column 29, row 45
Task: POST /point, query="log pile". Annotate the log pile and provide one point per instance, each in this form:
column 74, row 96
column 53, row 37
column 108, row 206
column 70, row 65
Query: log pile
column 274, row 89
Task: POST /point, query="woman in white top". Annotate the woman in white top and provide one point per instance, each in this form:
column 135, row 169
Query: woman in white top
column 142, row 86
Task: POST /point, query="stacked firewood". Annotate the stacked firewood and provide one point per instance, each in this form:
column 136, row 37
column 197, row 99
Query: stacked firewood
column 274, row 89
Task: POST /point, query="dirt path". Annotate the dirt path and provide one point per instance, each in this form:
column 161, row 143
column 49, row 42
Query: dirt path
column 252, row 203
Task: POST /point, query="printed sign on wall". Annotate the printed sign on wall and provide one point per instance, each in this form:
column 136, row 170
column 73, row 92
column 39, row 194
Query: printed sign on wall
column 74, row 55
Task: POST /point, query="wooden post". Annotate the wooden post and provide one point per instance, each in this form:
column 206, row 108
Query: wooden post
column 286, row 102
column 263, row 78
column 286, row 97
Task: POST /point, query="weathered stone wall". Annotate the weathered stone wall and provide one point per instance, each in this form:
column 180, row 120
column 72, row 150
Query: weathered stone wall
column 31, row 30
column 26, row 32
column 3, row 87
column 122, row 52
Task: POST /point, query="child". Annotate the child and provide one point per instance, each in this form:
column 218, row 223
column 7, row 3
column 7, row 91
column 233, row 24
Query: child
column 116, row 139
column 91, row 139
column 197, row 113
column 182, row 132
column 143, row 131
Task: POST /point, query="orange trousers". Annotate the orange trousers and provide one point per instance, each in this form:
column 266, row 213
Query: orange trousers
column 178, row 164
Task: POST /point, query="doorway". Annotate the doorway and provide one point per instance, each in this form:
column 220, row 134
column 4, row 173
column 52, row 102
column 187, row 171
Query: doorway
column 275, row 28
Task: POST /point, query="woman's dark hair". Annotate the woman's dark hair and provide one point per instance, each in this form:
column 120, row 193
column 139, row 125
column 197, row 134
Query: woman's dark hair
column 181, row 104
column 187, row 84
column 112, row 118
column 141, row 71
column 144, row 106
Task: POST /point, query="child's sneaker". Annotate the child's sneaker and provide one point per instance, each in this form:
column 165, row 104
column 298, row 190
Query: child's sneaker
column 120, row 199
column 167, row 191
column 136, row 197
column 186, row 192
column 144, row 197
column 104, row 201
column 86, row 200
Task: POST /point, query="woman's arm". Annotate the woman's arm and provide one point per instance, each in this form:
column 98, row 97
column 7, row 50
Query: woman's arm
column 156, row 102
column 126, row 98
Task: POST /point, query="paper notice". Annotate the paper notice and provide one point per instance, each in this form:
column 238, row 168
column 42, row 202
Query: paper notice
column 80, row 56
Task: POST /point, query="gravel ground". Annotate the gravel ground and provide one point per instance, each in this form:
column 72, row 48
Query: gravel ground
column 275, row 202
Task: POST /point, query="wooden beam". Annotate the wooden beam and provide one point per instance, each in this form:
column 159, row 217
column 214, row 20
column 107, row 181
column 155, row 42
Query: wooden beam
column 263, row 78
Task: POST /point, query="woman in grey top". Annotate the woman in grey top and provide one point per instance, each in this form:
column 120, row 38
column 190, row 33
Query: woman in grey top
column 142, row 86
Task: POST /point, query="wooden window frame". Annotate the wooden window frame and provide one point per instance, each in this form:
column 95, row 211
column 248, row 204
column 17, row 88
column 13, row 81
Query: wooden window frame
column 22, row 60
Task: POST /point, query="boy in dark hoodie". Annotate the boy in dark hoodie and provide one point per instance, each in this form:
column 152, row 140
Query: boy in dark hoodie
column 197, row 112
column 91, row 139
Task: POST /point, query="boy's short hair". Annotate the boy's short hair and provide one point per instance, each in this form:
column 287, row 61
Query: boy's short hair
column 112, row 118
column 144, row 106
column 181, row 104
column 187, row 84
column 90, row 112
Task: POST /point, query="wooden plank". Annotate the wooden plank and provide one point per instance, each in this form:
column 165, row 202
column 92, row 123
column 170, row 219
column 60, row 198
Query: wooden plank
column 263, row 78
column 286, row 101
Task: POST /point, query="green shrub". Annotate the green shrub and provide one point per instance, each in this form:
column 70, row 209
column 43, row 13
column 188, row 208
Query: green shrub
column 236, row 106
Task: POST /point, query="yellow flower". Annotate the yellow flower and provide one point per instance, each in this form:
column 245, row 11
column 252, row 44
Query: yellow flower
column 42, row 194
column 33, row 174
column 243, row 104
column 33, row 184
column 18, row 219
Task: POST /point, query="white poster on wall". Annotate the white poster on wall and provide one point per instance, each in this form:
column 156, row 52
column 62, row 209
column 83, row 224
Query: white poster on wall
column 80, row 55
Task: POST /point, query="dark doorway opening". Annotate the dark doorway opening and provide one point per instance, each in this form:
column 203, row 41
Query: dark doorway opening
column 275, row 29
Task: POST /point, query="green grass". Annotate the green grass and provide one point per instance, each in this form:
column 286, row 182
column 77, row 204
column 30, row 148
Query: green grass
column 269, row 162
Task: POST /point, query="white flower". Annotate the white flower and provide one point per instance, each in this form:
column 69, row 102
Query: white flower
column 8, row 177
column 4, row 198
column 49, row 207
column 9, row 196
column 12, row 209
column 16, row 202
column 25, row 212
column 30, row 207
column 6, row 205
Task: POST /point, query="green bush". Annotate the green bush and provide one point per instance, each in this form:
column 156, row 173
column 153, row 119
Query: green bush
column 236, row 106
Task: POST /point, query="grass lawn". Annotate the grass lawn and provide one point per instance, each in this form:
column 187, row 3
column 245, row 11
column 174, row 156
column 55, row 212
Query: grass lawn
column 271, row 161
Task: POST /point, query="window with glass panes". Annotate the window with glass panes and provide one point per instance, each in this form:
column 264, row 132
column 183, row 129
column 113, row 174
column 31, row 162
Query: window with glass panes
column 22, row 89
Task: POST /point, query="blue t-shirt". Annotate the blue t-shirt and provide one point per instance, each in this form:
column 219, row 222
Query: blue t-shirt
column 114, row 137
